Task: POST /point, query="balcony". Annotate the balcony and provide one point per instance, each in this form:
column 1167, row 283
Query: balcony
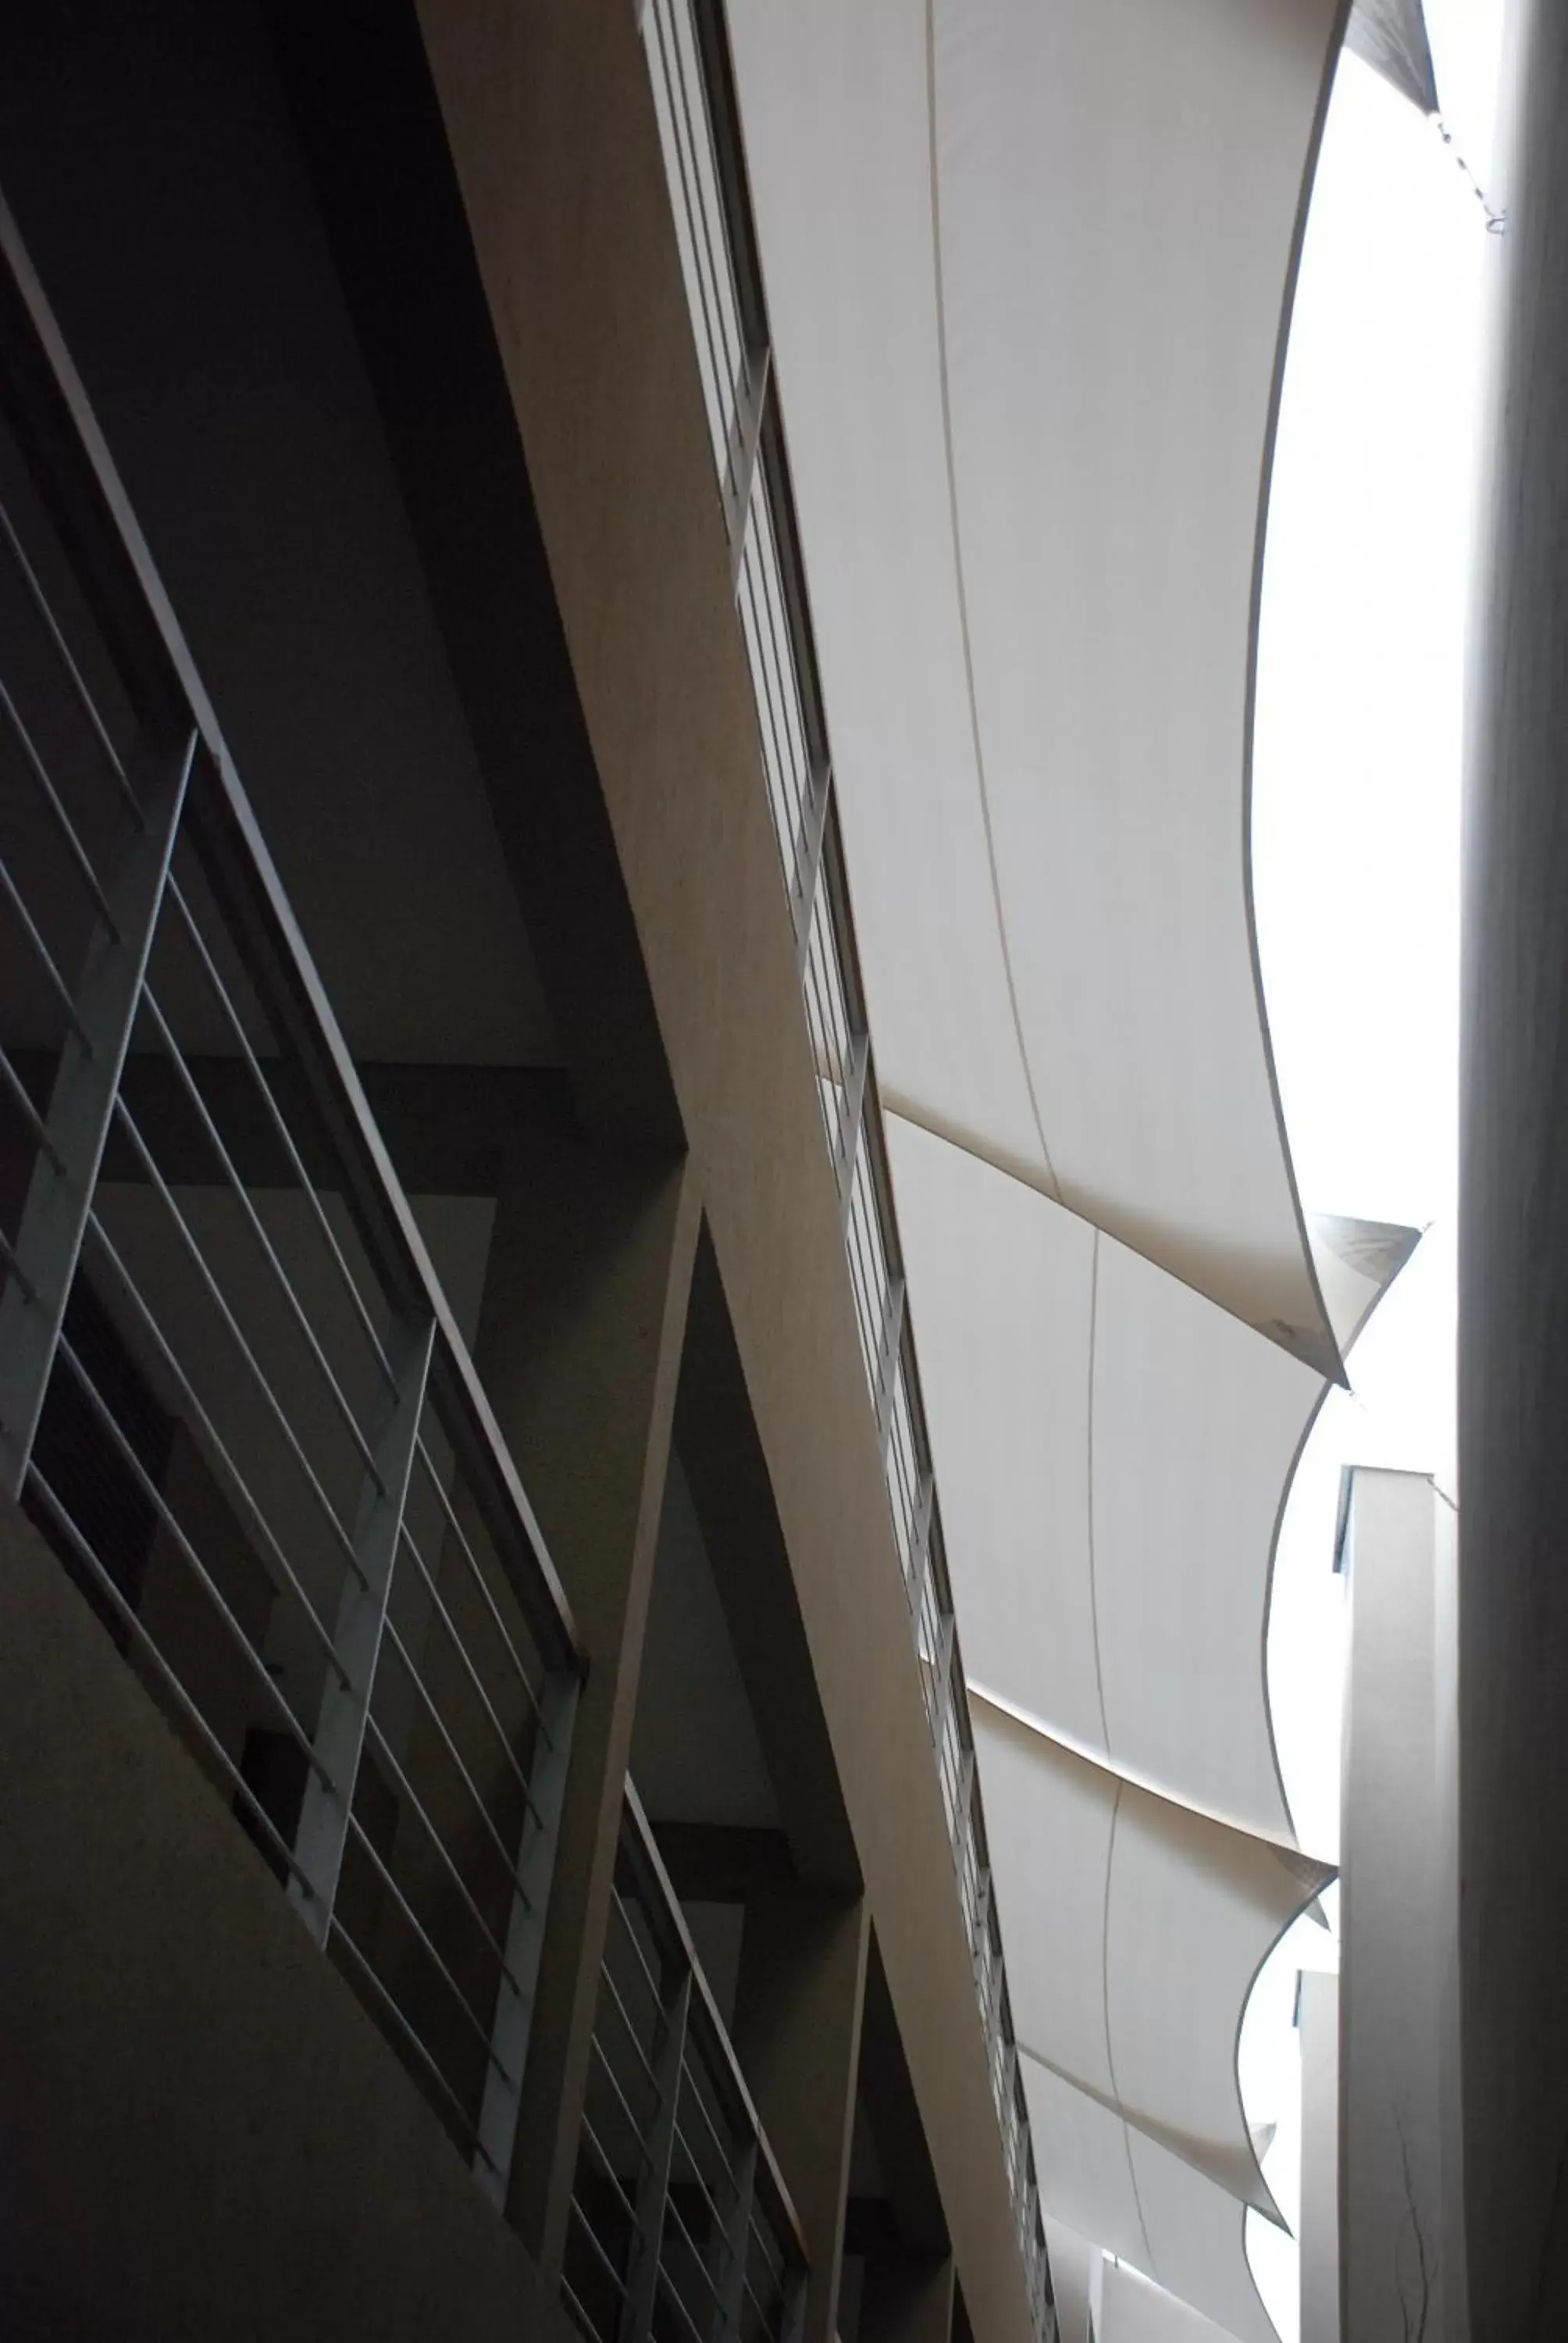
column 234, row 1396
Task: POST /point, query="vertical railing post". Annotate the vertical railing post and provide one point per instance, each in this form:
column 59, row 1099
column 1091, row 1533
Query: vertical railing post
column 807, row 863
column 751, row 401
column 734, row 2245
column 82, row 1103
column 525, row 1934
column 851, row 1111
column 361, row 1620
column 888, row 1358
column 653, row 2191
column 921, row 1543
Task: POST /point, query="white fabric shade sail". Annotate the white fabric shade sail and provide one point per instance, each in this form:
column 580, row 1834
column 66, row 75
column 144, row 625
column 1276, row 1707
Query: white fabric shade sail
column 1112, row 1454
column 1134, row 1928
column 1132, row 2310
column 1141, row 2202
column 1027, row 268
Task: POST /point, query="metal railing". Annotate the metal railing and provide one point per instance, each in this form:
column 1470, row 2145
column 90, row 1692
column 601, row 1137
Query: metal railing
column 680, row 2228
column 692, row 79
column 232, row 1396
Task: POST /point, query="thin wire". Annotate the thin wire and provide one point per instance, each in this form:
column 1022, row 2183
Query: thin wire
column 29, row 928
column 215, row 1292
column 434, row 1835
column 613, row 2079
column 13, row 1263
column 385, row 1997
column 608, row 2169
column 29, row 1112
column 592, row 2236
column 417, row 1928
column 584, row 2323
column 451, row 1748
column 257, row 1519
column 454, row 1525
column 631, row 2034
column 280, row 1124
column 89, row 705
column 503, row 1740
column 156, row 1497
column 671, row 2292
column 143, row 1640
column 67, row 827
column 215, row 1140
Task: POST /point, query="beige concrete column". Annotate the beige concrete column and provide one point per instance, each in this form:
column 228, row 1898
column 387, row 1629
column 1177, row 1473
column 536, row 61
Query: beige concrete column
column 797, row 2006
column 579, row 1349
column 907, row 2298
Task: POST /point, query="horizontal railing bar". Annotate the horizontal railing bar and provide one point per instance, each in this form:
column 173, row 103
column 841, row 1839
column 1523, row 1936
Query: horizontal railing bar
column 239, row 1488
column 388, row 2002
column 188, row 1708
column 708, row 2197
column 251, row 896
column 417, row 1929
column 88, row 705
column 99, row 532
column 429, row 1701
column 448, row 1861
column 254, row 1221
column 503, row 1739
column 476, row 1573
column 220, row 1302
column 280, row 1124
column 584, row 2323
column 654, row 1984
column 726, row 2147
column 23, row 1100
column 734, row 2079
column 630, row 2031
column 164, row 1512
column 593, row 2238
column 46, row 958
column 14, row 1268
column 638, row 2123
column 665, row 2278
column 606, row 2167
column 63, row 822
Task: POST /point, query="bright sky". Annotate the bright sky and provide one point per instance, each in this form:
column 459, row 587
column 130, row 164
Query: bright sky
column 1356, row 794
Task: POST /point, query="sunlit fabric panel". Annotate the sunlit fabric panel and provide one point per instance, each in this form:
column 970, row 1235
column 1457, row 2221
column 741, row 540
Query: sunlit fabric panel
column 1134, row 2310
column 1113, row 1452
column 1357, row 1261
column 1074, row 2274
column 1001, row 1286
column 1133, row 1929
column 1028, row 269
column 1143, row 2205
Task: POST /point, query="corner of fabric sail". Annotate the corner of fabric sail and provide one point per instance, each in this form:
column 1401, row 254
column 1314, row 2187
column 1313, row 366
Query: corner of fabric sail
column 1356, row 1261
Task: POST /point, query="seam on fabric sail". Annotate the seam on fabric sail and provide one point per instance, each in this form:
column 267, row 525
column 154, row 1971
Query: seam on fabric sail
column 963, row 594
column 1335, row 1371
column 1105, row 2011
column 972, row 1143
column 1299, row 1862
column 1162, row 2136
column 1089, row 1492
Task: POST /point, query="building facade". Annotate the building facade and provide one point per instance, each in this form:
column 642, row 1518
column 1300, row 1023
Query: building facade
column 500, row 1823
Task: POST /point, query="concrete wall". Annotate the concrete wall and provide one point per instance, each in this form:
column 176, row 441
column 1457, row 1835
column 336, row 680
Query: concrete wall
column 1513, row 1266
column 552, row 125
column 1401, row 2249
column 1318, row 2025
column 201, row 2133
